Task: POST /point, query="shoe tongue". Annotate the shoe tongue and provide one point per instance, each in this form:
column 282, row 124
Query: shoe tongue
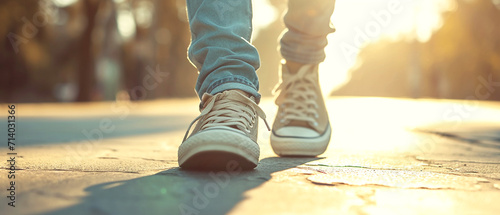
column 300, row 124
column 248, row 95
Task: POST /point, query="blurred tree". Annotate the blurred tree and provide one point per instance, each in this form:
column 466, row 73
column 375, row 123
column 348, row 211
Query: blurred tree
column 457, row 62
column 381, row 74
column 267, row 45
column 161, row 44
column 22, row 46
column 79, row 54
column 138, row 52
column 172, row 37
column 86, row 65
column 465, row 49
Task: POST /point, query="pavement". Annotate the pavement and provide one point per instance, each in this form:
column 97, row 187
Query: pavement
column 386, row 156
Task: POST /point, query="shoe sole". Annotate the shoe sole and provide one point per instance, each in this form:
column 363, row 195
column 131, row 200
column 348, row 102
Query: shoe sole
column 218, row 150
column 300, row 146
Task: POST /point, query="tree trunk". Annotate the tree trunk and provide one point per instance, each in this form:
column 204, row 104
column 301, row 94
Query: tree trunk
column 86, row 73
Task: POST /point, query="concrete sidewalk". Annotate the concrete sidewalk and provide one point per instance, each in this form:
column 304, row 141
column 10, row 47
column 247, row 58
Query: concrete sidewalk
column 386, row 156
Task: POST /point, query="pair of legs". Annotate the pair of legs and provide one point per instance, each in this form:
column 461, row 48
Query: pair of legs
column 228, row 84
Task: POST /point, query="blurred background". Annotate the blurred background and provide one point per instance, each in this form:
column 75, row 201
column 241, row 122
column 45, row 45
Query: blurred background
column 94, row 50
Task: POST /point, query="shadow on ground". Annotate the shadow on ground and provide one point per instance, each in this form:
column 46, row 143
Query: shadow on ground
column 176, row 191
column 46, row 130
column 483, row 136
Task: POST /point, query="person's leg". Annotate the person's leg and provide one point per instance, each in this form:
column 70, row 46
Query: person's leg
column 302, row 126
column 225, row 135
column 308, row 23
column 220, row 46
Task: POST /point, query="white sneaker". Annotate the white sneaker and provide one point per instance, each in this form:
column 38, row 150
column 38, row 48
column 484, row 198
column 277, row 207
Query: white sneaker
column 225, row 135
column 301, row 126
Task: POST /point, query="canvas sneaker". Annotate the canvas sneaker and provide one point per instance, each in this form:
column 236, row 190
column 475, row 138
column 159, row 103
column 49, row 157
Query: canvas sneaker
column 301, row 126
column 226, row 131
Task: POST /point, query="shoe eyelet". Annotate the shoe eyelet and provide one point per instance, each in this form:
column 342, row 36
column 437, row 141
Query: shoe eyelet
column 315, row 124
column 282, row 120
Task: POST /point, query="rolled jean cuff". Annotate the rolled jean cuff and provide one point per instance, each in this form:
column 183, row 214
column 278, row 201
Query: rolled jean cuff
column 235, row 82
column 303, row 57
column 303, row 49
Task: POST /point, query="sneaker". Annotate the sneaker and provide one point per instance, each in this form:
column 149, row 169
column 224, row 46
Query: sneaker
column 301, row 126
column 226, row 132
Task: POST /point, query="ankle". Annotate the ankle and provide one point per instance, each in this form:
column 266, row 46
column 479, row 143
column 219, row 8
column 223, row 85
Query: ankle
column 293, row 67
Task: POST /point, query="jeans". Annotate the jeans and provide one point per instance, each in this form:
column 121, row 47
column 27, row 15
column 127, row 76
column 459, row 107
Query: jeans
column 220, row 41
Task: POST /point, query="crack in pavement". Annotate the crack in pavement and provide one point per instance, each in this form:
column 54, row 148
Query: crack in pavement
column 113, row 158
column 429, row 161
column 151, row 159
column 391, row 178
column 56, row 195
column 326, row 165
column 146, row 159
column 368, row 200
column 309, row 167
column 75, row 170
column 383, row 186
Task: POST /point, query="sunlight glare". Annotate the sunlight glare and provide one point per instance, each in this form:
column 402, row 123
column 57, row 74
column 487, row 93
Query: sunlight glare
column 64, row 3
column 126, row 24
column 261, row 22
column 418, row 19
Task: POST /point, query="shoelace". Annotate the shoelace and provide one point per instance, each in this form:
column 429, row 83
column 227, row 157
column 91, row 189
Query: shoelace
column 297, row 97
column 224, row 112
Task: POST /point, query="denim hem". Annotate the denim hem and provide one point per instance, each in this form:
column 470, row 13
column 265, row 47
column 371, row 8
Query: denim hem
column 234, row 82
column 304, row 59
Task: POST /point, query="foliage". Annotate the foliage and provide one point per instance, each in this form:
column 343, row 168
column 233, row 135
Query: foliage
column 454, row 63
